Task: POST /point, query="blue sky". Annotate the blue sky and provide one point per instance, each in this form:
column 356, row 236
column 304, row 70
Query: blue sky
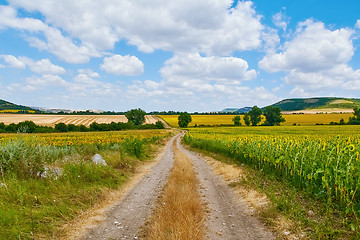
column 202, row 55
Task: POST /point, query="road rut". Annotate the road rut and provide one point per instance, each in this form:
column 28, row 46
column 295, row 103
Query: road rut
column 227, row 217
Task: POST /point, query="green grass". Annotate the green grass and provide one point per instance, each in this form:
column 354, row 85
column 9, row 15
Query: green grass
column 33, row 207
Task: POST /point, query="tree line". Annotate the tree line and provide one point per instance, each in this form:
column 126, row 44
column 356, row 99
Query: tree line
column 273, row 117
column 136, row 120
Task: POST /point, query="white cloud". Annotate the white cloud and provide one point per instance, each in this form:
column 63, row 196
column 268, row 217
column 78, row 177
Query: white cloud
column 316, row 59
column 89, row 72
column 56, row 43
column 206, row 72
column 43, row 66
column 204, row 25
column 281, row 20
column 12, row 61
column 357, row 25
column 313, row 48
column 123, row 65
column 38, row 83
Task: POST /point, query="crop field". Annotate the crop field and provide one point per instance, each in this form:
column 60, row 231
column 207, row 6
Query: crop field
column 51, row 120
column 48, row 179
column 322, row 161
column 299, row 119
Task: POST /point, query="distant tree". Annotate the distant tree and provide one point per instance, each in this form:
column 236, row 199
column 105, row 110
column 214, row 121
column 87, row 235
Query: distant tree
column 72, row 128
column 26, row 127
column 236, row 120
column 159, row 125
column 342, row 121
column 357, row 113
column 273, row 116
column 184, row 119
column 11, row 128
column 247, row 119
column 355, row 120
column 255, row 115
column 83, row 128
column 137, row 116
column 61, row 127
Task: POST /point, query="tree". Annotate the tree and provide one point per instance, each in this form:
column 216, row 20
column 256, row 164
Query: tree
column 355, row 120
column 273, row 116
column 184, row 119
column 236, row 120
column 137, row 116
column 61, row 127
column 357, row 113
column 255, row 115
column 159, row 125
column 247, row 119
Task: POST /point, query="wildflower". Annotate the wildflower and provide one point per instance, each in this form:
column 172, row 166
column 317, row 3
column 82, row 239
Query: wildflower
column 357, row 156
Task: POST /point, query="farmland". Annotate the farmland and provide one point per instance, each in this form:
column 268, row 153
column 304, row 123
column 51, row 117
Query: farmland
column 51, row 120
column 49, row 179
column 299, row 119
column 321, row 161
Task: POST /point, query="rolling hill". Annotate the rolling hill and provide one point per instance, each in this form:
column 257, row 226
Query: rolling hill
column 297, row 104
column 14, row 108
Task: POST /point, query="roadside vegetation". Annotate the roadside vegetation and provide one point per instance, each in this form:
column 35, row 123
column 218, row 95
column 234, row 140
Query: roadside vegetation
column 47, row 180
column 320, row 164
column 179, row 214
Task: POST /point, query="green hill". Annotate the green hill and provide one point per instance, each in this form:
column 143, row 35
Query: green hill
column 13, row 108
column 296, row 104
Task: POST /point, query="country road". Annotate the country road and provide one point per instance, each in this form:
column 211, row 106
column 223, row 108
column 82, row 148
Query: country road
column 227, row 218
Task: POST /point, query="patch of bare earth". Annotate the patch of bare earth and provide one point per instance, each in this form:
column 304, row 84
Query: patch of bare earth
column 179, row 213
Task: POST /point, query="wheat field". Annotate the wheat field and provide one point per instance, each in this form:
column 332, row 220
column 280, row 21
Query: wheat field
column 51, row 120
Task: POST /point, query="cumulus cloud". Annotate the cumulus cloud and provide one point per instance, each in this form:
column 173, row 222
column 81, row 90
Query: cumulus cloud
column 12, row 61
column 313, row 48
column 316, row 58
column 56, row 43
column 46, row 80
column 43, row 66
column 123, row 65
column 208, row 26
column 280, row 20
column 191, row 69
column 208, row 81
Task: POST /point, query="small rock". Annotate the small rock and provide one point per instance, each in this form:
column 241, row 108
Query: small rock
column 97, row 159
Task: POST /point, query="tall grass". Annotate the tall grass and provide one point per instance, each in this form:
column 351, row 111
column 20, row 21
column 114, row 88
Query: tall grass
column 43, row 186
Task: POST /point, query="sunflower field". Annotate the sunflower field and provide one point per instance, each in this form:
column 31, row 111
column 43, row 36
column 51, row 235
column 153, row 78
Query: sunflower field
column 323, row 161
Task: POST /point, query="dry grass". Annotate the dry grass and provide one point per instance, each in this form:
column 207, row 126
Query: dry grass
column 180, row 214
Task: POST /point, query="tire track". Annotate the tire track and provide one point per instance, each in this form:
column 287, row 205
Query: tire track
column 125, row 219
column 228, row 218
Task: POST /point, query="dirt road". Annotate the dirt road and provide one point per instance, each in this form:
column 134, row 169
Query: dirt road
column 227, row 218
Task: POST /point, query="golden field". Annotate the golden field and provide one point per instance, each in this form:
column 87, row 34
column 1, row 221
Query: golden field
column 299, row 119
column 51, row 120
